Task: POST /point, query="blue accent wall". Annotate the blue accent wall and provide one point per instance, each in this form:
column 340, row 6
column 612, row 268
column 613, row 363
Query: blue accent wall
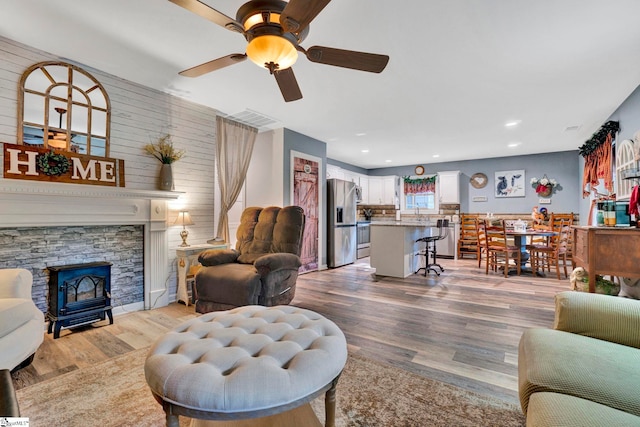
column 562, row 166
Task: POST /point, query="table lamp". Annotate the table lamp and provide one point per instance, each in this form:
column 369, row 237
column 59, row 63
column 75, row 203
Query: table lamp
column 185, row 219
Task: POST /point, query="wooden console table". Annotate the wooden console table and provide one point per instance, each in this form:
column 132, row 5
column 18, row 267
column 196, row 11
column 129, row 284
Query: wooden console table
column 607, row 250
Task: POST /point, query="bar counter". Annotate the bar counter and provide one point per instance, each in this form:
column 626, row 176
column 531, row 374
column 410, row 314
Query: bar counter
column 394, row 248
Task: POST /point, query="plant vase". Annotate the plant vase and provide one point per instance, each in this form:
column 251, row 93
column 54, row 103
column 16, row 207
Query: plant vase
column 166, row 177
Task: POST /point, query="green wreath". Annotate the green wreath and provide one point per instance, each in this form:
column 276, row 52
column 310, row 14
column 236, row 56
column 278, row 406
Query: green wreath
column 52, row 163
column 427, row 180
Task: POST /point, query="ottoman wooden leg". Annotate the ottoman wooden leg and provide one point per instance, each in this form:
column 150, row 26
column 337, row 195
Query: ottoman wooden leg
column 330, row 404
column 172, row 420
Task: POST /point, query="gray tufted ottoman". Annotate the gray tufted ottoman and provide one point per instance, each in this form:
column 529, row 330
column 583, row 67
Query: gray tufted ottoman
column 248, row 362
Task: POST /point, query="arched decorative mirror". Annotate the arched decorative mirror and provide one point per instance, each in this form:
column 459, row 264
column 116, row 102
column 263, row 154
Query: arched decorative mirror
column 63, row 107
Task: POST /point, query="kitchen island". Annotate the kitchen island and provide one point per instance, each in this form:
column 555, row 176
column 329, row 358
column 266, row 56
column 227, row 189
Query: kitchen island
column 394, row 247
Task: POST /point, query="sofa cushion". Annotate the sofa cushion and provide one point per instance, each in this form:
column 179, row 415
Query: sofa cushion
column 14, row 312
column 604, row 317
column 555, row 409
column 567, row 363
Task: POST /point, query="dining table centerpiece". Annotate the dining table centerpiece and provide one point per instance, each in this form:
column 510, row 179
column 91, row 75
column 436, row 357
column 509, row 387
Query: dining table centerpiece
column 164, row 151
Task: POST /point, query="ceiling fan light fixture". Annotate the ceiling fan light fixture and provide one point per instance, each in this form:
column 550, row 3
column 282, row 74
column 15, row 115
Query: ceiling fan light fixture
column 271, row 49
column 57, row 143
column 261, row 18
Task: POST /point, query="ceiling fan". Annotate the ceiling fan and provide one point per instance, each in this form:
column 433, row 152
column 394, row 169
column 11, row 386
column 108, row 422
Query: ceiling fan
column 274, row 30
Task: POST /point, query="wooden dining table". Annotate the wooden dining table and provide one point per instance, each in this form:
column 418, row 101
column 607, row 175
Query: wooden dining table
column 520, row 240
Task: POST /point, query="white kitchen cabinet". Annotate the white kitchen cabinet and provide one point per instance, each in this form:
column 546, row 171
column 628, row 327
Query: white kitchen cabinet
column 382, row 190
column 335, row 172
column 389, row 190
column 364, row 185
column 351, row 176
column 449, row 187
column 375, row 190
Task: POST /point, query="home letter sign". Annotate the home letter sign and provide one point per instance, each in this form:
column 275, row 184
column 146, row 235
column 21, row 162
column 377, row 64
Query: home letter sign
column 39, row 164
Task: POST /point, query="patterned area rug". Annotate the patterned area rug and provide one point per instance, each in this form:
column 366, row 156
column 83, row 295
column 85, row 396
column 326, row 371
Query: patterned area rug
column 115, row 394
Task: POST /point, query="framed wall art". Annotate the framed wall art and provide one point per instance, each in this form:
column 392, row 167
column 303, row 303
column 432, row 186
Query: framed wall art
column 510, row 183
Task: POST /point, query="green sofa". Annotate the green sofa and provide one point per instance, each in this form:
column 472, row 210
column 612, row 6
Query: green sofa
column 586, row 370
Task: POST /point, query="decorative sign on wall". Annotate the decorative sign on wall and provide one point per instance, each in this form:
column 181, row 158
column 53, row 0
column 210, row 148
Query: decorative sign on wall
column 40, row 164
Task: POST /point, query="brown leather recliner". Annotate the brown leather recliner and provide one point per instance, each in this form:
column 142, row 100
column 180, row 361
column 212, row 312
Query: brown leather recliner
column 262, row 269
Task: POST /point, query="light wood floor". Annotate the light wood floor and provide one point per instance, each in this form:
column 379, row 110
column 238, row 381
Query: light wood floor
column 462, row 327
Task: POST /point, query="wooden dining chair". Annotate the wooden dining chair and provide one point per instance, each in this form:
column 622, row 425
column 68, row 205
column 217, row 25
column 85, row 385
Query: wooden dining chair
column 499, row 251
column 539, row 240
column 481, row 244
column 568, row 219
column 543, row 257
column 468, row 241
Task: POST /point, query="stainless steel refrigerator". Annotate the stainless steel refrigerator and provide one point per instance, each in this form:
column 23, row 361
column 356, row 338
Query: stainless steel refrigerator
column 342, row 239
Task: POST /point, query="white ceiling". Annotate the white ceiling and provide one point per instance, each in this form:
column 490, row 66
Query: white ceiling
column 459, row 69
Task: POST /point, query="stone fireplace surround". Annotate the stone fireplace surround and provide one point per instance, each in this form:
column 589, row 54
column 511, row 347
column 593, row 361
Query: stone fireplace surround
column 42, row 204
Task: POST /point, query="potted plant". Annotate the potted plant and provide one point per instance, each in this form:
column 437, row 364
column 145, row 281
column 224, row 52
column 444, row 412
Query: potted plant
column 543, row 186
column 164, row 151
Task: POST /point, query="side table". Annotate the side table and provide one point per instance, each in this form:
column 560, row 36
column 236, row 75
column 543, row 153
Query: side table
column 187, row 258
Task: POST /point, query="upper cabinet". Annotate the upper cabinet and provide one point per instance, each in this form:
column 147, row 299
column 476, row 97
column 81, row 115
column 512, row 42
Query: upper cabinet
column 449, row 186
column 383, row 190
column 335, row 172
column 376, row 190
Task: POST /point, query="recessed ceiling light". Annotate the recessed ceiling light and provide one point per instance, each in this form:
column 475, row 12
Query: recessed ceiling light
column 436, row 155
column 387, row 161
column 513, row 144
column 360, row 134
column 365, row 151
column 512, row 123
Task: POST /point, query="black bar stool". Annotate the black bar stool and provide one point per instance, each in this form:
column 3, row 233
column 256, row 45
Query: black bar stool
column 430, row 247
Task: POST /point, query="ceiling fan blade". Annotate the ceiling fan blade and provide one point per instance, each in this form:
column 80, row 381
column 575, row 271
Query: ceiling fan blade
column 210, row 13
column 216, row 64
column 297, row 14
column 362, row 61
column 288, row 84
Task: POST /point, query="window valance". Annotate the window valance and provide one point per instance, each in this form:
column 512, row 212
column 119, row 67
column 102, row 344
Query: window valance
column 419, row 185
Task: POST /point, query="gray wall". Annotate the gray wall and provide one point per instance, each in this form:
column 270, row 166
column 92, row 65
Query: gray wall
column 628, row 114
column 562, row 166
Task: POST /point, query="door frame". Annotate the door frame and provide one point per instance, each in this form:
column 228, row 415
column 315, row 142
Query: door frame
column 322, row 259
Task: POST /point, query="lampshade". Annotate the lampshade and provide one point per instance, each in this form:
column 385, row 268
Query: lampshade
column 268, row 49
column 183, row 219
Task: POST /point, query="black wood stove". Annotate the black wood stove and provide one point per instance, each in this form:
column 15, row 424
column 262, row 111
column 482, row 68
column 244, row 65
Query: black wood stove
column 79, row 294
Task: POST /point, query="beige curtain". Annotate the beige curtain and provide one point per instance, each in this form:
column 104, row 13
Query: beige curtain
column 234, row 145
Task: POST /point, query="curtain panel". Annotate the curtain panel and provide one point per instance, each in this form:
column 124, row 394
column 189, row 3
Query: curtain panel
column 234, row 145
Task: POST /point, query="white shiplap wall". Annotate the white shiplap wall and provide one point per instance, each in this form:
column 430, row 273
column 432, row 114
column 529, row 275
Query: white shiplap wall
column 138, row 116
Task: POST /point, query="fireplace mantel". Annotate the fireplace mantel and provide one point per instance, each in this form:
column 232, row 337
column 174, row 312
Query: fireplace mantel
column 38, row 204
column 14, row 186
